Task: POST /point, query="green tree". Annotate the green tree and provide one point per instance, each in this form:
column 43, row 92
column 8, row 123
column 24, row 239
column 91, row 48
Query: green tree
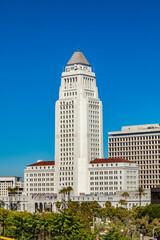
column 67, row 226
column 95, row 208
column 85, row 212
column 3, row 220
column 143, row 226
column 151, row 210
column 113, row 232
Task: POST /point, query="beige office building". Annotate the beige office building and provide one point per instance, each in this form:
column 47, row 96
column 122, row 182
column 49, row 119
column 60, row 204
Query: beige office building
column 141, row 144
column 9, row 182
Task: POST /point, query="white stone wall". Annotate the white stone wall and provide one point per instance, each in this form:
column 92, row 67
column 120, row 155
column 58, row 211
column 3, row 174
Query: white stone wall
column 21, row 202
column 39, row 179
column 31, row 203
column 132, row 200
column 108, row 178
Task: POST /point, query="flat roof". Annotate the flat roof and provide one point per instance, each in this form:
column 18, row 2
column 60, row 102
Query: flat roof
column 137, row 129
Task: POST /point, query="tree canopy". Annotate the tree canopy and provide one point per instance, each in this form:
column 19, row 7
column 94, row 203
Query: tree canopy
column 75, row 221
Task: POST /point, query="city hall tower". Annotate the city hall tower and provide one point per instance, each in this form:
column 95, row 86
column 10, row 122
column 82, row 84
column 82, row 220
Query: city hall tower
column 78, row 125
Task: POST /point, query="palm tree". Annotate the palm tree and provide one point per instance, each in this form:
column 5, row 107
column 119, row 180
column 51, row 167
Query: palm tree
column 38, row 210
column 107, row 204
column 13, row 191
column 48, row 209
column 141, row 192
column 2, row 204
column 125, row 195
column 63, row 191
column 123, row 202
column 58, row 205
column 69, row 189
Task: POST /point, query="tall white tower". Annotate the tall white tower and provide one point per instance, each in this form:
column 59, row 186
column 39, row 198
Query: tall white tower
column 78, row 125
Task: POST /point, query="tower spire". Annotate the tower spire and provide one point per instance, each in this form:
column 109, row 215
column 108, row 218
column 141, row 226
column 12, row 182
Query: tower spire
column 78, row 58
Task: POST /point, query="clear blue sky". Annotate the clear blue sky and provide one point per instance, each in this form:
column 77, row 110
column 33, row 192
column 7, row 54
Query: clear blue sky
column 120, row 39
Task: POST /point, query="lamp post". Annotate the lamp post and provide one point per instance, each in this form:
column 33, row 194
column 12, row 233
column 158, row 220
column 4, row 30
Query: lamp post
column 93, row 223
column 153, row 231
column 36, row 236
column 143, row 227
column 131, row 231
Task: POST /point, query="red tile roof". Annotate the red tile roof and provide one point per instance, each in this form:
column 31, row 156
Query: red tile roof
column 42, row 163
column 109, row 160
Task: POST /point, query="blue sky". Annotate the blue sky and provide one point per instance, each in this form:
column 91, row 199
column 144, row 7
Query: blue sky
column 120, row 39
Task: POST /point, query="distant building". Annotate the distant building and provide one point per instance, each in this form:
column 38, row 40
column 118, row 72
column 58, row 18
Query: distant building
column 39, row 178
column 10, row 182
column 140, row 144
column 107, row 176
column 155, row 195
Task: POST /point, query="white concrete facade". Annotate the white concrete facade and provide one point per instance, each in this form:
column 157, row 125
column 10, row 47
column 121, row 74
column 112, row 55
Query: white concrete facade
column 132, row 200
column 141, row 144
column 41, row 201
column 39, row 178
column 107, row 176
column 21, row 202
column 78, row 125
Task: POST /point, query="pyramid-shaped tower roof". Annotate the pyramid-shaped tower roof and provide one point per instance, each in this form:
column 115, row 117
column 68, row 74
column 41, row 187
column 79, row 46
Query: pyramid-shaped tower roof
column 78, row 58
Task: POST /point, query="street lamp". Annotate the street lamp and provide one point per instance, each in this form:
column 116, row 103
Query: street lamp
column 36, row 236
column 153, row 231
column 131, row 231
column 143, row 227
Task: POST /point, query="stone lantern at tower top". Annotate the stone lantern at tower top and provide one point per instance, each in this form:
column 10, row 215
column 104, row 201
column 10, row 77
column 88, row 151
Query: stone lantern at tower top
column 78, row 62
